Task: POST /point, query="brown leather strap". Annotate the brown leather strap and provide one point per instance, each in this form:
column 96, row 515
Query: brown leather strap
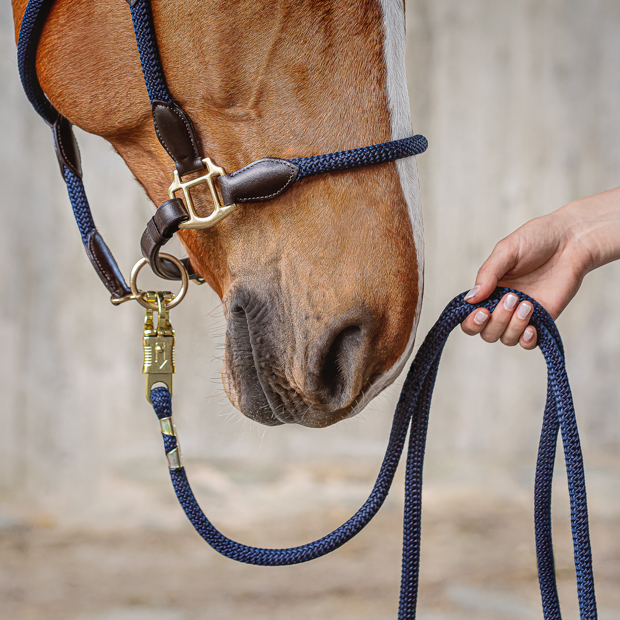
column 159, row 231
column 261, row 180
column 66, row 147
column 177, row 135
column 105, row 265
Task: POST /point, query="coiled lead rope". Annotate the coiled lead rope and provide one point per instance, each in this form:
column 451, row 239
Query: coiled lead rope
column 412, row 412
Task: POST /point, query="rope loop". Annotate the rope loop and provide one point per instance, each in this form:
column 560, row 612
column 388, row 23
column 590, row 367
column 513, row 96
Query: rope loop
column 412, row 413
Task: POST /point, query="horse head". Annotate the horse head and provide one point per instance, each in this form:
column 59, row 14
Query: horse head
column 321, row 286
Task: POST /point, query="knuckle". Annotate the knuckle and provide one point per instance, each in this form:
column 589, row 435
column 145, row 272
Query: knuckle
column 490, row 338
column 468, row 330
column 507, row 244
column 501, row 244
column 509, row 341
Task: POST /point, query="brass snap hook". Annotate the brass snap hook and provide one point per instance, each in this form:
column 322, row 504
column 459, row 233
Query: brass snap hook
column 140, row 296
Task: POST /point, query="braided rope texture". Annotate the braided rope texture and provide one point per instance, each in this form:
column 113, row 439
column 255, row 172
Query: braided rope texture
column 79, row 204
column 413, row 411
column 30, row 31
column 32, row 23
column 149, row 53
column 363, row 156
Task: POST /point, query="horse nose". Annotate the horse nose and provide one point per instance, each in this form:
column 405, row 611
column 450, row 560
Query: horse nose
column 338, row 366
column 309, row 372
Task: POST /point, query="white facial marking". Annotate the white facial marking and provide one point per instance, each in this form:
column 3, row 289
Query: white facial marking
column 400, row 120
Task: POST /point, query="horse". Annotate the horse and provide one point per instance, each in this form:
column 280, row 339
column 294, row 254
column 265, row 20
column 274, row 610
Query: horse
column 321, row 287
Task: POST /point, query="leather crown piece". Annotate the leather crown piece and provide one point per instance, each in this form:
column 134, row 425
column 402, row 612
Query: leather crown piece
column 261, row 180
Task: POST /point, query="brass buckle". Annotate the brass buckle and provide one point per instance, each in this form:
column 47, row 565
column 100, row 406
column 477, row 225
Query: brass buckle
column 219, row 211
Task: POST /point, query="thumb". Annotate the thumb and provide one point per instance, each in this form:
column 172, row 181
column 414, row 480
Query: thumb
column 502, row 259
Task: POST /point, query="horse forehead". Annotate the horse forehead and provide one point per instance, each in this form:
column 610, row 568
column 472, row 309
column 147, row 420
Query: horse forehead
column 231, row 63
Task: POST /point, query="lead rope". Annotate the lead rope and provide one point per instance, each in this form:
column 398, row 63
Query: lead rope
column 412, row 412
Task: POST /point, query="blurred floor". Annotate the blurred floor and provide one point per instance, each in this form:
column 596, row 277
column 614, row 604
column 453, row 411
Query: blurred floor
column 477, row 563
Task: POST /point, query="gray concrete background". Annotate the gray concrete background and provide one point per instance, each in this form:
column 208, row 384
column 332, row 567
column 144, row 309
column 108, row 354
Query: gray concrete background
column 520, row 101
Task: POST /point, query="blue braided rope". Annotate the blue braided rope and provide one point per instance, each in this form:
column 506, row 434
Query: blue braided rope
column 564, row 412
column 32, row 23
column 161, row 400
column 149, row 53
column 30, row 31
column 79, row 204
column 413, row 410
column 363, row 156
column 542, row 509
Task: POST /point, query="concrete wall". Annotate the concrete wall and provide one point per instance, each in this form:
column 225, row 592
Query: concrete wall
column 520, row 101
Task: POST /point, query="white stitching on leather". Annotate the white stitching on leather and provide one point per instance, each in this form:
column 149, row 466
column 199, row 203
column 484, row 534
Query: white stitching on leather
column 187, row 129
column 117, row 291
column 74, row 169
column 289, row 181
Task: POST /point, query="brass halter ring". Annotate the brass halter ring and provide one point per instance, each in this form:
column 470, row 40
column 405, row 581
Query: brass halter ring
column 138, row 295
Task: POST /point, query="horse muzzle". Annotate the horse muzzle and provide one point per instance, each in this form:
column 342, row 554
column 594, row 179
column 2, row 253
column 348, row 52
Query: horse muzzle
column 296, row 367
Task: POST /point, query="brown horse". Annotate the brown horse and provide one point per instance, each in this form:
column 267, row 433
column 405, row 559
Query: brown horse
column 321, row 287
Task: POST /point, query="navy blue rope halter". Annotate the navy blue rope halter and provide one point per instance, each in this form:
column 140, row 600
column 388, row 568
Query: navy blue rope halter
column 173, row 127
column 412, row 413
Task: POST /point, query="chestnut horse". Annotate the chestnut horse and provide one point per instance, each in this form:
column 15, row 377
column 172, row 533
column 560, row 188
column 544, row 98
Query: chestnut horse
column 321, row 286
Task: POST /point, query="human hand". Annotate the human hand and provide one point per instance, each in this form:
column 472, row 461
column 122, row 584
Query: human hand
column 547, row 258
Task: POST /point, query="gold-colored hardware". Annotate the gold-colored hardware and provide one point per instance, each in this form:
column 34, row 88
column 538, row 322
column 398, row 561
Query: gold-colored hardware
column 174, row 456
column 219, row 212
column 167, row 427
column 174, row 459
column 141, row 296
column 117, row 301
column 158, row 343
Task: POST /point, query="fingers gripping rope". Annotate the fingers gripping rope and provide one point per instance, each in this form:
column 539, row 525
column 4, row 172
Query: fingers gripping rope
column 413, row 411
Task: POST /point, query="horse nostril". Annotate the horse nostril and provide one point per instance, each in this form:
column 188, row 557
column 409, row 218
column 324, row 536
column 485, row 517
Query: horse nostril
column 338, row 372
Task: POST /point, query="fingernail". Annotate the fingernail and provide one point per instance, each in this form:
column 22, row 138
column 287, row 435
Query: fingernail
column 480, row 317
column 524, row 311
column 528, row 334
column 474, row 291
column 510, row 302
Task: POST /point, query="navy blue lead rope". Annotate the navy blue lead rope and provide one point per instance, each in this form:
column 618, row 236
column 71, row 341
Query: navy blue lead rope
column 412, row 413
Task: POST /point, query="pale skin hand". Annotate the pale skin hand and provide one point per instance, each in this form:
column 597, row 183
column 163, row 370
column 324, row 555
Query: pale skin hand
column 547, row 258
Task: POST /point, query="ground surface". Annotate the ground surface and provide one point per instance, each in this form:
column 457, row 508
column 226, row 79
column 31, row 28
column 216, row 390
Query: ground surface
column 477, row 563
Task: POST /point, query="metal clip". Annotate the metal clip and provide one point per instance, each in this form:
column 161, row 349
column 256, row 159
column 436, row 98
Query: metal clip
column 158, row 343
column 167, row 427
column 219, row 212
column 175, row 460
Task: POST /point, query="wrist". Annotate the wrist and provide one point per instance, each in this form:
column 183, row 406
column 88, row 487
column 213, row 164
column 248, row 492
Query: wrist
column 592, row 228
